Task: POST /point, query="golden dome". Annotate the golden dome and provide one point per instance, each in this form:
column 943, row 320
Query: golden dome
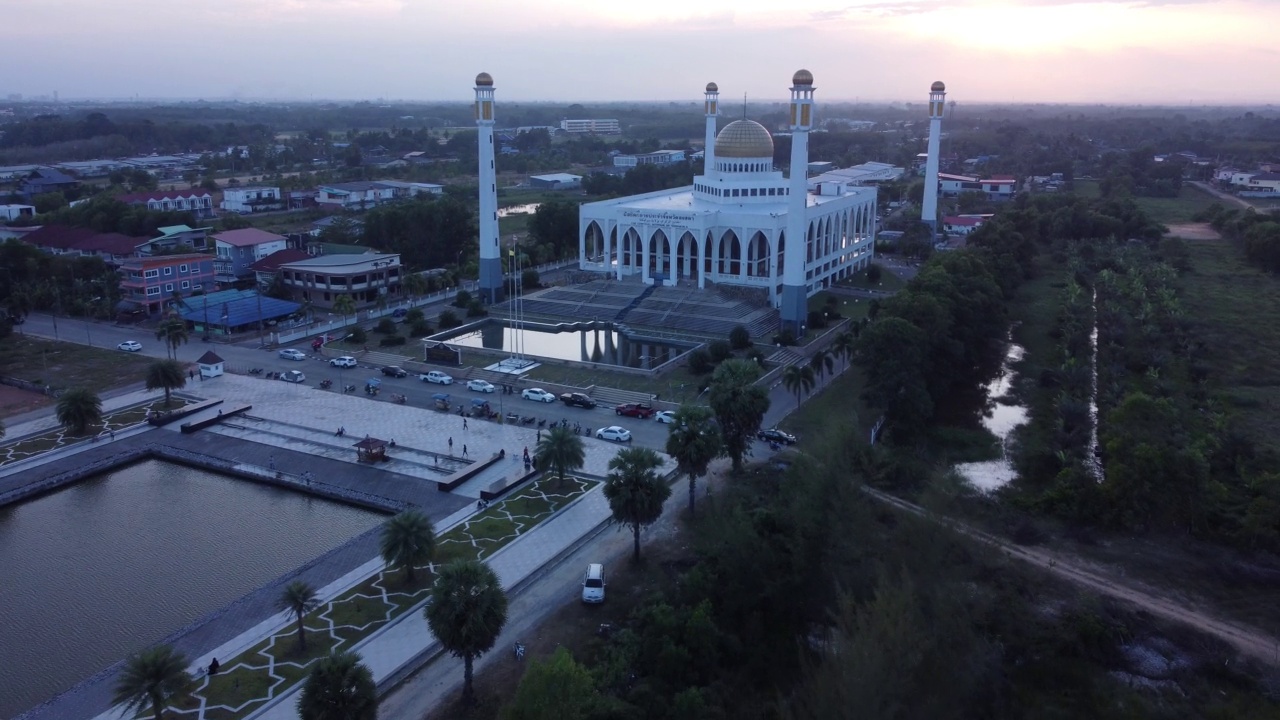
column 802, row 77
column 744, row 139
column 712, row 87
column 938, row 86
column 484, row 80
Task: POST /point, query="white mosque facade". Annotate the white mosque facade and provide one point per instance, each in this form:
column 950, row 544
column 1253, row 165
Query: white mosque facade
column 733, row 225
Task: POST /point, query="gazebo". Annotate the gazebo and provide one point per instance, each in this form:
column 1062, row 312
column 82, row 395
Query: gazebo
column 371, row 450
column 210, row 364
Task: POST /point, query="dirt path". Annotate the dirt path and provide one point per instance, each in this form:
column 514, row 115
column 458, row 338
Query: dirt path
column 1223, row 196
column 1249, row 641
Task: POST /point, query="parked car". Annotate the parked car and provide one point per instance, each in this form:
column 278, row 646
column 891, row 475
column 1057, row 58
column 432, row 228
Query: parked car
column 480, row 386
column 538, row 394
column 593, row 584
column 291, row 354
column 394, row 371
column 130, row 346
column 578, row 400
column 437, row 377
column 776, row 435
column 614, row 433
column 293, row 376
column 640, row 410
column 665, row 416
column 399, row 313
column 345, row 361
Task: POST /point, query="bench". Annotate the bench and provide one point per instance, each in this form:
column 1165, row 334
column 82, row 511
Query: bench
column 501, row 487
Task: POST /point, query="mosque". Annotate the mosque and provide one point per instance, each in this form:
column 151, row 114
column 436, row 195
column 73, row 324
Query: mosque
column 734, row 225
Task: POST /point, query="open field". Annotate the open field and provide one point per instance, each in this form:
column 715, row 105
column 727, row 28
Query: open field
column 838, row 404
column 1182, row 209
column 65, row 365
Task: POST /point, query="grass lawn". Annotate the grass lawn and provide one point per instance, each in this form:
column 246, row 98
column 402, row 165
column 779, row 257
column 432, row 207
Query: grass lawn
column 677, row 385
column 889, row 281
column 1087, row 189
column 44, row 442
column 1236, row 311
column 839, row 403
column 65, row 365
column 1190, row 201
column 850, row 307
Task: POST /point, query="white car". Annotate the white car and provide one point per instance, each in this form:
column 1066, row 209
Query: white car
column 665, row 416
column 614, row 433
column 130, row 346
column 480, row 386
column 437, row 377
column 593, row 584
column 538, row 394
column 345, row 361
column 291, row 354
column 293, row 376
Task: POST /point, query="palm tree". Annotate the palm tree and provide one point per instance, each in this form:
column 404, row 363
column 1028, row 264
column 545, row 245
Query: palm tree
column 299, row 598
column 843, row 346
column 344, row 306
column 78, row 409
column 415, row 284
column 408, row 540
column 561, row 451
column 166, row 375
column 339, row 687
column 173, row 330
column 694, row 441
column 634, row 490
column 798, row 379
column 466, row 613
column 155, row 677
column 822, row 363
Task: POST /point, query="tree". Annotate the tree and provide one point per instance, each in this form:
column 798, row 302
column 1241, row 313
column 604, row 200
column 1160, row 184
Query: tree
column 558, row 688
column 154, row 677
column 408, row 540
column 416, row 285
column 466, row 612
column 694, row 442
column 339, row 687
column 78, row 409
column 299, row 598
column 798, row 379
column 822, row 363
column 874, row 273
column 173, row 331
column 344, row 306
column 634, row 490
column 739, row 405
column 560, row 451
column 739, row 338
column 166, row 375
column 844, row 344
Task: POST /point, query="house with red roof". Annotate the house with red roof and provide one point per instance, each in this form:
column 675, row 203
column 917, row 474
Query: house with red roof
column 961, row 224
column 266, row 269
column 113, row 248
column 238, row 249
column 197, row 201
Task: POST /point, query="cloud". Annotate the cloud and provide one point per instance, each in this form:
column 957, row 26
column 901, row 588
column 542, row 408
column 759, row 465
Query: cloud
column 897, row 8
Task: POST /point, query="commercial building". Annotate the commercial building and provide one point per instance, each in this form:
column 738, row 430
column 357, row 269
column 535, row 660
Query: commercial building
column 252, row 199
column 322, row 280
column 556, row 181
column 149, row 283
column 236, row 250
column 658, row 157
column 591, row 126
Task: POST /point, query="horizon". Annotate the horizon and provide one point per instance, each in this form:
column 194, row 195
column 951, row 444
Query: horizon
column 1165, row 53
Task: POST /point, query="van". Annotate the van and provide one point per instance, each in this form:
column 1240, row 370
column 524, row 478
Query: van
column 593, row 584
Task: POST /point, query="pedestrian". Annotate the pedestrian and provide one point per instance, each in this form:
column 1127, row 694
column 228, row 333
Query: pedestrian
column 451, row 446
column 539, row 435
column 526, row 452
column 113, row 434
column 191, row 374
column 272, row 461
column 464, row 451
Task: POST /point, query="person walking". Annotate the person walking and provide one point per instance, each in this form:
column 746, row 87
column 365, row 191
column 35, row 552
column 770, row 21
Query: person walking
column 464, row 423
column 451, row 446
column 464, row 451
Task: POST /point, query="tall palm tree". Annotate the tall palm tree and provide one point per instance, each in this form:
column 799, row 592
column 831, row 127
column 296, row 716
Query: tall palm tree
column 299, row 598
column 561, row 451
column 166, row 375
column 694, row 441
column 844, row 344
column 173, row 330
column 822, row 363
column 466, row 613
column 634, row 490
column 415, row 284
column 798, row 379
column 344, row 306
column 408, row 540
column 339, row 687
column 78, row 409
column 155, row 677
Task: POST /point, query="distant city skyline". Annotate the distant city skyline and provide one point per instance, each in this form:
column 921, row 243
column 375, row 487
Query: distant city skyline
column 1173, row 52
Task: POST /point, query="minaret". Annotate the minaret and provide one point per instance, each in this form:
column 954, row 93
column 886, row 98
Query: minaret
column 929, row 208
column 795, row 295
column 491, row 285
column 712, row 109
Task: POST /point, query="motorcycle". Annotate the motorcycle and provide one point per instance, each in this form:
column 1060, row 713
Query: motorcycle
column 255, row 371
column 349, row 388
column 326, row 384
column 399, row 399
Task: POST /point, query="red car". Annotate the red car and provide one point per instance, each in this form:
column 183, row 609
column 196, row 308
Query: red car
column 640, row 410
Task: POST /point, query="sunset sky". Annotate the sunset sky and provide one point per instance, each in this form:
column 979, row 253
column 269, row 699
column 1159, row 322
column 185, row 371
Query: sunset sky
column 1114, row 51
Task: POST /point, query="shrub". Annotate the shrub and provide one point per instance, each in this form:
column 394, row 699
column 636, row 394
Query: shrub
column 700, row 362
column 358, row 335
column 739, row 338
column 414, row 316
column 420, row 328
column 462, row 299
column 530, row 280
column 448, row 319
column 720, row 351
column 817, row 319
column 475, row 309
column 784, row 338
column 391, row 340
column 386, row 326
column 874, row 273
column 756, row 355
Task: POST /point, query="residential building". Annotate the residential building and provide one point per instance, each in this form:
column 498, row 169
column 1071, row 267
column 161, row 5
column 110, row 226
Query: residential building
column 149, row 283
column 10, row 213
column 962, row 224
column 1264, row 183
column 354, row 195
column 58, row 239
column 236, row 250
column 322, row 280
column 401, row 189
column 299, row 199
column 355, row 224
column 182, row 238
column 251, row 199
column 555, row 181
column 46, row 180
column 197, row 201
column 1000, row 187
column 265, row 270
column 1241, row 178
column 1223, row 175
column 10, row 173
column 593, row 126
column 659, row 157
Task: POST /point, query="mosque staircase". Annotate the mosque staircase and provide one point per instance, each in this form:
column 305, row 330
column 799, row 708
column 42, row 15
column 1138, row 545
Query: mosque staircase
column 635, row 302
